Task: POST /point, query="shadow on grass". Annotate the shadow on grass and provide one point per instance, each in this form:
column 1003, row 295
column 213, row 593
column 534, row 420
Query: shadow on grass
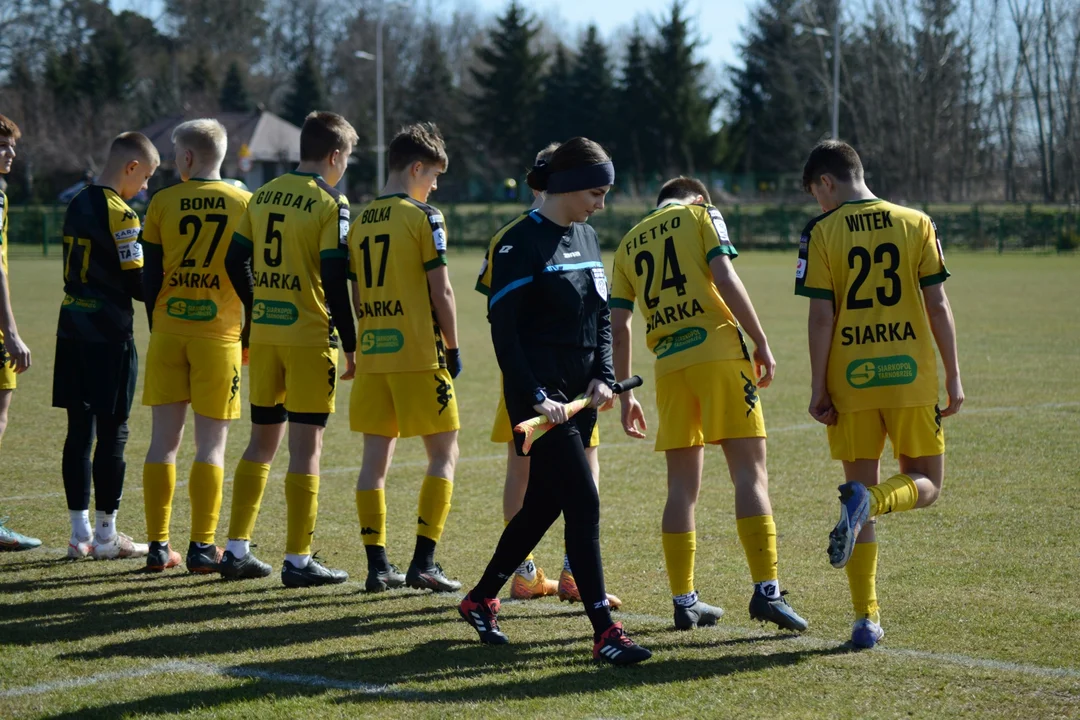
column 479, row 674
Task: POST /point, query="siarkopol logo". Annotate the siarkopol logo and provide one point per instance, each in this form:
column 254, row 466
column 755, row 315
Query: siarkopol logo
column 196, row 310
column 381, row 342
column 79, row 304
column 680, row 340
column 274, row 312
column 881, row 372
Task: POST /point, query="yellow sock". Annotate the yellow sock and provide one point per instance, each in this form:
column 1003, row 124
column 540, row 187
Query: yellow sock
column 529, row 557
column 159, row 482
column 249, row 481
column 371, row 509
column 896, row 494
column 204, row 489
column 301, row 507
column 679, row 549
column 861, row 572
column 434, row 506
column 758, row 537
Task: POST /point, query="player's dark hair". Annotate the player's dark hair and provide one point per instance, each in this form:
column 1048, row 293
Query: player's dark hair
column 832, row 157
column 419, row 142
column 132, row 146
column 682, row 188
column 9, row 129
column 323, row 133
column 575, row 153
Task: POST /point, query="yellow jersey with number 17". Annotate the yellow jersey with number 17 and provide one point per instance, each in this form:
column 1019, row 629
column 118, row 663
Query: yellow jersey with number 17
column 872, row 258
column 664, row 263
column 393, row 244
column 291, row 222
column 189, row 221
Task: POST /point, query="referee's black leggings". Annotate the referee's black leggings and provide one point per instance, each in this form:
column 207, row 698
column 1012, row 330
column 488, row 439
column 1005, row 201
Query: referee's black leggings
column 560, row 481
column 108, row 466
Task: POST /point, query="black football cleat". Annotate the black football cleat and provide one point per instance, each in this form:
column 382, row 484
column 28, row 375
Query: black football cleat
column 616, row 647
column 431, row 578
column 383, row 580
column 314, row 574
column 203, row 560
column 247, row 567
column 697, row 615
column 776, row 611
column 483, row 616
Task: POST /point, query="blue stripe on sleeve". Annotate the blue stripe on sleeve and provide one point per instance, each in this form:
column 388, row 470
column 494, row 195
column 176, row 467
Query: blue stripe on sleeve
column 510, row 286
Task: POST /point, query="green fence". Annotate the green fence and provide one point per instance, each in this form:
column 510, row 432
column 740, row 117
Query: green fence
column 39, row 229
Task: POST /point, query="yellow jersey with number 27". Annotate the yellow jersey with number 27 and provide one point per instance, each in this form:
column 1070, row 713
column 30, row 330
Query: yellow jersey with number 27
column 664, row 262
column 872, row 258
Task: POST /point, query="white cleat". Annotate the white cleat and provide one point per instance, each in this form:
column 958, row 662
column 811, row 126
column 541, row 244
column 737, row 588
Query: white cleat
column 866, row 634
column 78, row 549
column 117, row 547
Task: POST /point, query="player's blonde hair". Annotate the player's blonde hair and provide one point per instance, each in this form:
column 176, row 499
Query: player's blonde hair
column 206, row 137
column 9, row 129
column 129, row 146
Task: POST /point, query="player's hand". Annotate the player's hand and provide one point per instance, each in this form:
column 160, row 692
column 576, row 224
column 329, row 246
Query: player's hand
column 765, row 365
column 633, row 417
column 821, row 407
column 956, row 396
column 600, row 395
column 453, row 362
column 18, row 353
column 245, row 358
column 553, row 410
column 350, row 366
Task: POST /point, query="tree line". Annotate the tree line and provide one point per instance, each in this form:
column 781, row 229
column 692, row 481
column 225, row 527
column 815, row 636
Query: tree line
column 947, row 100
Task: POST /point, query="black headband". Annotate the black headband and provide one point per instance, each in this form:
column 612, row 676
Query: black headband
column 582, row 178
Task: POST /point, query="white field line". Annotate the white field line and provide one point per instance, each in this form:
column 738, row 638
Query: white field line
column 499, row 456
column 199, row 668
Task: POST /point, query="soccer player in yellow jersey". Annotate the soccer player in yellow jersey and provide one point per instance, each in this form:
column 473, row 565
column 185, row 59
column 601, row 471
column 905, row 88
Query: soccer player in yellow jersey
column 194, row 356
column 677, row 263
column 289, row 263
column 408, row 354
column 873, row 272
column 14, row 355
column 529, row 581
column 96, row 361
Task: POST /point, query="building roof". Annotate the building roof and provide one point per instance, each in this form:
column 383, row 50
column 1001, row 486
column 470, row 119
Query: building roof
column 268, row 137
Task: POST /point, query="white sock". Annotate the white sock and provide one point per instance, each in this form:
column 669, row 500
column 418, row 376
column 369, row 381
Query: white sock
column 298, row 561
column 769, row 588
column 238, row 548
column 566, row 564
column 686, row 600
column 527, row 570
column 81, row 531
column 203, row 546
column 106, row 525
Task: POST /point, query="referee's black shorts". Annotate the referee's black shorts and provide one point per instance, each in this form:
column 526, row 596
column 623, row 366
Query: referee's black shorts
column 95, row 376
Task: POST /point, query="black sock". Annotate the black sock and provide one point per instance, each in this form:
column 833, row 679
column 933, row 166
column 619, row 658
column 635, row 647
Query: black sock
column 424, row 554
column 376, row 558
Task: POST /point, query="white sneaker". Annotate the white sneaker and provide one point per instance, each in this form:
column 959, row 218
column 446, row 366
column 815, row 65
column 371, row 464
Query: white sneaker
column 117, row 547
column 78, row 549
column 866, row 633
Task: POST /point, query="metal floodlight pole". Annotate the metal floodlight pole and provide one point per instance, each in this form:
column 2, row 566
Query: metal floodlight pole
column 380, row 143
column 836, row 76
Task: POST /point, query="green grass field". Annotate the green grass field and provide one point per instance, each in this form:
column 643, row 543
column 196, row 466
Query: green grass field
column 978, row 592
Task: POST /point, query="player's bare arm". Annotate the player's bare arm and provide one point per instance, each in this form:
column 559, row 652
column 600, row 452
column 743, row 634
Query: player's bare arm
column 16, row 348
column 939, row 313
column 632, row 416
column 820, row 332
column 738, row 301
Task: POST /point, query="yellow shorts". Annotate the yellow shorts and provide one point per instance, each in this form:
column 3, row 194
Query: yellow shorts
column 7, row 373
column 304, row 379
column 204, row 371
column 403, row 404
column 707, row 403
column 503, row 432
column 914, row 431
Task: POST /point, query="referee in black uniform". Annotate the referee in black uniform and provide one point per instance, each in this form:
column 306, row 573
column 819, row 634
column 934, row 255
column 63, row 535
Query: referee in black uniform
column 551, row 328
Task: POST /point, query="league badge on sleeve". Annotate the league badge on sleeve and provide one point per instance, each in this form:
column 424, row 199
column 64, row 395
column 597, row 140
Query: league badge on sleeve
column 600, row 282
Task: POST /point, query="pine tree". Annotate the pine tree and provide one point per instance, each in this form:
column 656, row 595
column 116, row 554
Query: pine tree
column 234, row 95
column 592, row 85
column 307, row 92
column 636, row 132
column 556, row 110
column 509, row 84
column 200, row 78
column 431, row 94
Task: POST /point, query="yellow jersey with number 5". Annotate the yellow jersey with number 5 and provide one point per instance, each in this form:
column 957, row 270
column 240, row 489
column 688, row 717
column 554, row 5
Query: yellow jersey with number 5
column 872, row 258
column 290, row 224
column 664, row 263
column 394, row 243
column 193, row 222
